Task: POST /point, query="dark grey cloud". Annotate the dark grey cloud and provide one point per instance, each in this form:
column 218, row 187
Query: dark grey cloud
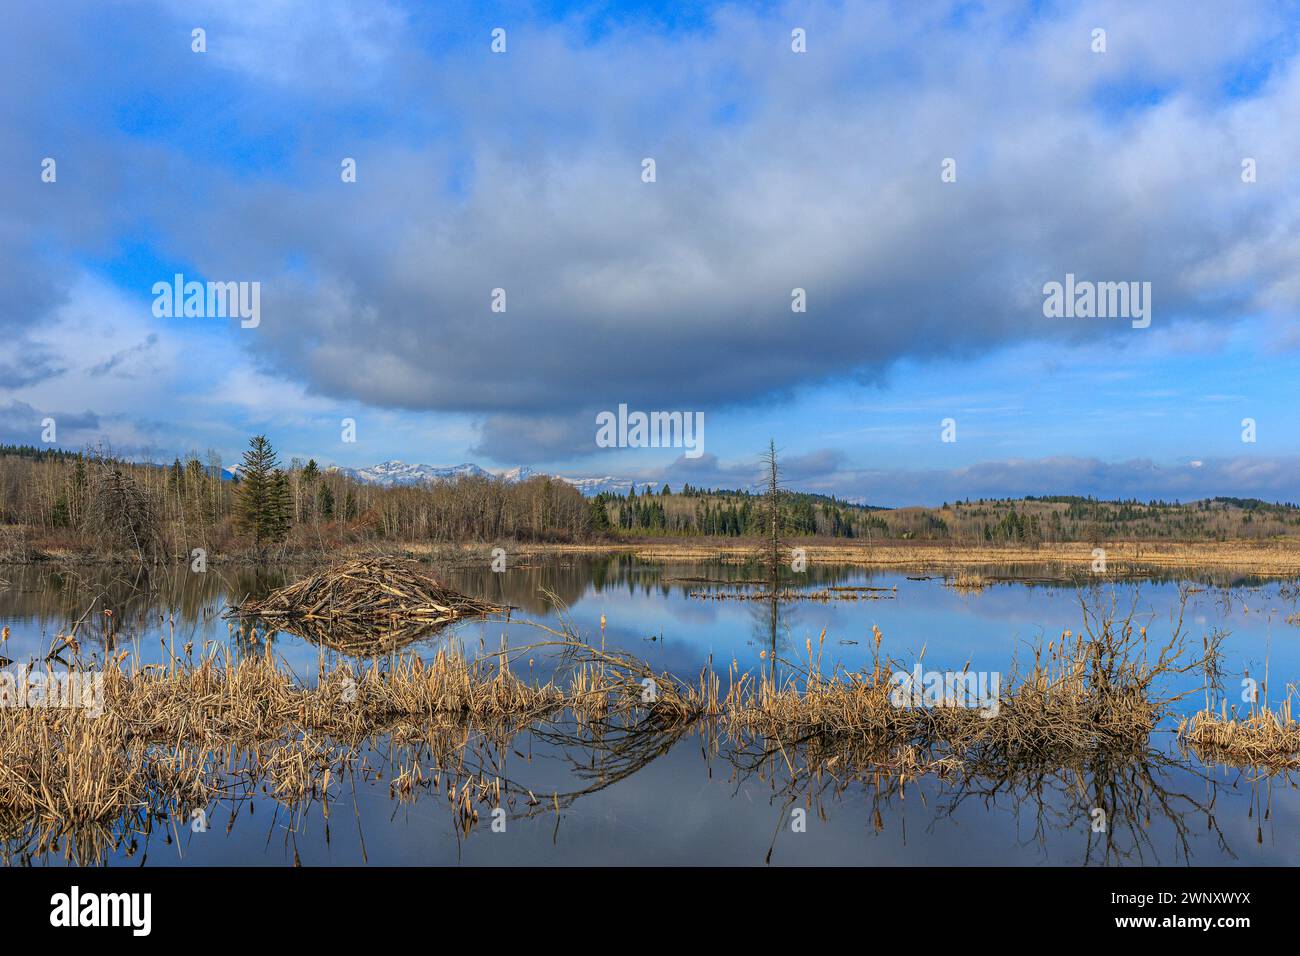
column 536, row 438
column 21, row 424
column 677, row 294
column 36, row 364
column 523, row 172
column 48, row 228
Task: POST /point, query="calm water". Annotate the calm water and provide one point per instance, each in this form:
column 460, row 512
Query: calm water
column 690, row 800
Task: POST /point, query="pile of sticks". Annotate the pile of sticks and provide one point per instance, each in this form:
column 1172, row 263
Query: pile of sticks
column 372, row 603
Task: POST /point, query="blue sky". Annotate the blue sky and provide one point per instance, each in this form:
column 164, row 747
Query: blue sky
column 775, row 170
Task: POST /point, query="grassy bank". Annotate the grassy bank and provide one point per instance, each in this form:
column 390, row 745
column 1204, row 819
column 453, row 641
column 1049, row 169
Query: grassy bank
column 1067, row 560
column 1276, row 558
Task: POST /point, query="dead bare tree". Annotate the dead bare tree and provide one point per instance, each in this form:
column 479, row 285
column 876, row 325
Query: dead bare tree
column 775, row 546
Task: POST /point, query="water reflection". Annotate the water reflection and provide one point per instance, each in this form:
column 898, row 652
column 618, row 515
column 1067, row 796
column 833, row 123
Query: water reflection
column 591, row 792
column 689, row 797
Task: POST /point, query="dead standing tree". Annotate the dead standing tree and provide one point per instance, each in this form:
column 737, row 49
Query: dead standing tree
column 774, row 546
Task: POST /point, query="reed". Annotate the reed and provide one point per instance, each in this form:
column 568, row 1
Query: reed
column 1266, row 739
column 176, row 737
column 967, row 581
column 823, row 596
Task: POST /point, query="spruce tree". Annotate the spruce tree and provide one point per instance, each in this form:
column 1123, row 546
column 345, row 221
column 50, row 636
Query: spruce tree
column 599, row 515
column 265, row 507
column 281, row 512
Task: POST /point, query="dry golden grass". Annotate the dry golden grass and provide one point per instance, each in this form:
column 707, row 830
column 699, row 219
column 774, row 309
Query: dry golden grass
column 821, row 596
column 1082, row 694
column 967, row 581
column 177, row 732
column 178, row 737
column 1266, row 739
column 1279, row 558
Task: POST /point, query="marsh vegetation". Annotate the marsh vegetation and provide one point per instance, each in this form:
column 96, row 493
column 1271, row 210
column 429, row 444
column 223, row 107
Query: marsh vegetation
column 560, row 712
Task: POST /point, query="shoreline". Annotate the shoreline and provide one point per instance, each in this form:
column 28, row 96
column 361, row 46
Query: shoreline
column 1276, row 558
column 1120, row 557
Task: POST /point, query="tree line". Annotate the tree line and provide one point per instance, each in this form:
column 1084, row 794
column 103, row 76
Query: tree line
column 93, row 501
column 55, row 500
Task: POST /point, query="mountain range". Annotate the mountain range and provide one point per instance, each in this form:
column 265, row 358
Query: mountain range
column 397, row 473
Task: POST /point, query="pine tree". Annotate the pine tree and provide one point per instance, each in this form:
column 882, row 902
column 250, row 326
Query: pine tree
column 265, row 506
column 280, row 518
column 599, row 515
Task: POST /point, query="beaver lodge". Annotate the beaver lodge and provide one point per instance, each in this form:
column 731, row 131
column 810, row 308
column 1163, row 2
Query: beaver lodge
column 365, row 605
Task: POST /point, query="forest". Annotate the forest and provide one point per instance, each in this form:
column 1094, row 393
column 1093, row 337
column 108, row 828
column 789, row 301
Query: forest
column 58, row 501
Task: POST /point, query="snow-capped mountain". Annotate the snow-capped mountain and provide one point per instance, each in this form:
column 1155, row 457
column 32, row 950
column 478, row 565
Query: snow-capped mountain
column 396, row 472
column 594, row 486
column 401, row 473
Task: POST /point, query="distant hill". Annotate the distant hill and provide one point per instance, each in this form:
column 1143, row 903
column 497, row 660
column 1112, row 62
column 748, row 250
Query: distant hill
column 397, row 473
column 1022, row 521
column 617, row 507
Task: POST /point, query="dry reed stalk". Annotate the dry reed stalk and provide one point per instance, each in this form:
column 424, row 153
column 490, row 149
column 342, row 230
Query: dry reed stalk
column 1266, row 739
column 794, row 594
column 967, row 581
column 177, row 735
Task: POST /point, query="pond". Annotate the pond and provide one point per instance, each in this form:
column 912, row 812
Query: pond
column 694, row 799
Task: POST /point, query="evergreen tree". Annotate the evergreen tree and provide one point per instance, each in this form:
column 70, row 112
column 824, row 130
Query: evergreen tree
column 599, row 515
column 265, row 507
column 280, row 518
